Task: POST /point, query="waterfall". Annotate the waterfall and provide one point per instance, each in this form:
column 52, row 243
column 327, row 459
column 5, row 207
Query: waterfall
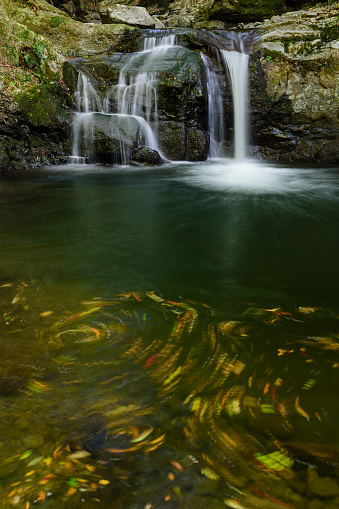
column 133, row 100
column 114, row 126
column 237, row 64
column 215, row 109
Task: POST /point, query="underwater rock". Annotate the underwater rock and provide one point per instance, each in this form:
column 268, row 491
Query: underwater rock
column 33, row 441
column 321, row 486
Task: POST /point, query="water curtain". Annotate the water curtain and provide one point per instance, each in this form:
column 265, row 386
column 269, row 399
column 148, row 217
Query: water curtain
column 128, row 113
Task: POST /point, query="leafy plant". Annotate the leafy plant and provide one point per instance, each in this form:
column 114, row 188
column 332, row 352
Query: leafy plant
column 31, row 56
column 56, row 21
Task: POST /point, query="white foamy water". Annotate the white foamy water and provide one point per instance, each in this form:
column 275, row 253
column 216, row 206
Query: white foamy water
column 254, row 177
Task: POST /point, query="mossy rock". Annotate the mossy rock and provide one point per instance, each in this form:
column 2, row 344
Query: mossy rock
column 42, row 108
column 197, row 145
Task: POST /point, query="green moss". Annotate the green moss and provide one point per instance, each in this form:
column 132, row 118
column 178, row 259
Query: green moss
column 330, row 64
column 252, row 11
column 330, row 31
column 56, row 21
column 276, row 56
column 42, row 106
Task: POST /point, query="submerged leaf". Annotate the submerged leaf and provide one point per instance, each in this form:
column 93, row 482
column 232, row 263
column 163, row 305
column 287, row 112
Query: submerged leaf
column 25, row 455
column 207, row 472
column 275, row 460
column 300, row 410
column 142, row 437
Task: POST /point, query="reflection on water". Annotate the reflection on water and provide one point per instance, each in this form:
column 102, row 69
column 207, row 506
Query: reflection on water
column 169, row 337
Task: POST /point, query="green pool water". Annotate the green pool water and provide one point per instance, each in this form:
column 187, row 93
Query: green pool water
column 169, row 337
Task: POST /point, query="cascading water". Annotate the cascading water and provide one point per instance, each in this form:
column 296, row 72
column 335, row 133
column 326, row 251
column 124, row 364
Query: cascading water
column 133, row 100
column 128, row 113
column 215, row 109
column 237, row 65
column 87, row 100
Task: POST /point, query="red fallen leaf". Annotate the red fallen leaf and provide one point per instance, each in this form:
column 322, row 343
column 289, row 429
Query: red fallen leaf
column 139, row 299
column 177, row 466
column 74, row 317
column 150, row 360
column 46, row 479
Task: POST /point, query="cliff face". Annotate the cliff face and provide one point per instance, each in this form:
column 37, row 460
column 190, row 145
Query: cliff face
column 35, row 104
column 294, row 87
column 294, row 82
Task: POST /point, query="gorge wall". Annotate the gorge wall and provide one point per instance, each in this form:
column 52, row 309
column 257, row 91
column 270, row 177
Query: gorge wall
column 293, row 68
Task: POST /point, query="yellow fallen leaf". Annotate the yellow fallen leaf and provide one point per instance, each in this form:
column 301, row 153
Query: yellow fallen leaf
column 71, row 492
column 300, row 410
column 46, row 313
column 207, row 472
column 42, row 496
column 104, row 482
column 154, row 447
column 30, row 473
column 171, row 476
column 142, row 437
column 233, row 504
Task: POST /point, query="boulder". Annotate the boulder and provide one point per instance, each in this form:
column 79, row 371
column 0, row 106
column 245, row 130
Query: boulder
column 294, row 92
column 123, row 14
column 85, row 11
column 146, row 155
column 107, row 138
column 180, row 143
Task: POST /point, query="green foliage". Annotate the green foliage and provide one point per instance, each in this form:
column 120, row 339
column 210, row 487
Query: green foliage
column 31, row 56
column 56, row 21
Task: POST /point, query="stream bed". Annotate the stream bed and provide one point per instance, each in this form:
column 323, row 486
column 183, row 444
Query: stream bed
column 170, row 337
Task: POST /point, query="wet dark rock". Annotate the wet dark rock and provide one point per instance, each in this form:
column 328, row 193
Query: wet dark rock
column 86, row 11
column 146, row 155
column 328, row 152
column 106, row 137
column 197, row 145
column 12, row 383
column 173, row 140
